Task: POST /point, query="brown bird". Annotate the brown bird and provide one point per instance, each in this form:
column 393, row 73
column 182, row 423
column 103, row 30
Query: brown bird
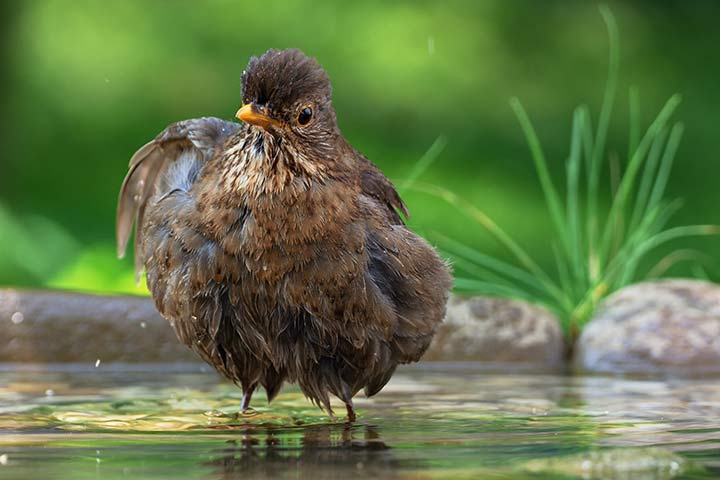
column 275, row 249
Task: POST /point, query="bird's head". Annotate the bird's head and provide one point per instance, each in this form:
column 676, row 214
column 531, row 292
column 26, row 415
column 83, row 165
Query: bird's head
column 288, row 95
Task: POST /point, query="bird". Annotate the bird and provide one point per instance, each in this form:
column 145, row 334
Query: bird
column 276, row 250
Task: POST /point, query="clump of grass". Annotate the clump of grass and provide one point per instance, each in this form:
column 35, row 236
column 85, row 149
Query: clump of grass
column 595, row 252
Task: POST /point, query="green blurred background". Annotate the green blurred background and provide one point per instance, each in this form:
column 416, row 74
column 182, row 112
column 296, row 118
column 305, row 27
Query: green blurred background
column 85, row 83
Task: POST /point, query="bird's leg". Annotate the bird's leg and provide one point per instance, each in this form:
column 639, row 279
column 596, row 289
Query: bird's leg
column 351, row 417
column 247, row 396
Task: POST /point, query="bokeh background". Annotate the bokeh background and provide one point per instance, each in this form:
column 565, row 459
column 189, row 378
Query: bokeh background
column 85, row 83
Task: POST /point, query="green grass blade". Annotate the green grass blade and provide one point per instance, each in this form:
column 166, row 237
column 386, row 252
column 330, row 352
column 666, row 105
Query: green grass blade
column 460, row 263
column 634, row 104
column 458, row 249
column 625, row 262
column 563, row 269
column 489, row 288
column 500, row 235
column 588, row 142
column 666, row 164
column 610, row 90
column 603, row 123
column 463, row 267
column 575, row 241
column 635, row 255
column 675, row 233
column 677, row 256
column 424, row 162
column 700, row 273
column 646, row 179
column 486, row 222
column 628, row 179
column 552, row 198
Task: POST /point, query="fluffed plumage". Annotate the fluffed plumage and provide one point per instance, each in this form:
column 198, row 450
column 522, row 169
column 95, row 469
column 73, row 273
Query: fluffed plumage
column 275, row 249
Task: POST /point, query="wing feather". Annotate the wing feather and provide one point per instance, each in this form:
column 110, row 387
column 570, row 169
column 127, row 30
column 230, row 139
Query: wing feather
column 377, row 185
column 201, row 136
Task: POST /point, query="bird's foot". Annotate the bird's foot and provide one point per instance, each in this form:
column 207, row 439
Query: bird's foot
column 247, row 396
column 351, row 417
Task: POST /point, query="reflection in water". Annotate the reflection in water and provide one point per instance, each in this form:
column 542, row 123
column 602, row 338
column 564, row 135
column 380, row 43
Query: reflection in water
column 448, row 421
column 318, row 452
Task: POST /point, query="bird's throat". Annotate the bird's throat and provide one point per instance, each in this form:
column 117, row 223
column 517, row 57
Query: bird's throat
column 262, row 164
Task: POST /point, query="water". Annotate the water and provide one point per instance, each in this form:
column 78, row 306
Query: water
column 431, row 421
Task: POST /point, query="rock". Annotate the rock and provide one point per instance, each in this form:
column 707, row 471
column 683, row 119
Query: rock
column 45, row 326
column 499, row 330
column 57, row 326
column 668, row 326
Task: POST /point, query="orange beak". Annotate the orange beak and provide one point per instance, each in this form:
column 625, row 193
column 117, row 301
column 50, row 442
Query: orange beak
column 254, row 115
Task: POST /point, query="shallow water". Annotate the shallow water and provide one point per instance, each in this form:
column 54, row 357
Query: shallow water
column 431, row 421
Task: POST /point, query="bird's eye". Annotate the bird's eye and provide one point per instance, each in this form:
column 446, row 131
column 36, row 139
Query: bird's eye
column 305, row 116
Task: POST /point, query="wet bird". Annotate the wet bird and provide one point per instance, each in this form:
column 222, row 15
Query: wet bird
column 276, row 250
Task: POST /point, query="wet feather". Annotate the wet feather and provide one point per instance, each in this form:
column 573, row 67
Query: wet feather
column 279, row 253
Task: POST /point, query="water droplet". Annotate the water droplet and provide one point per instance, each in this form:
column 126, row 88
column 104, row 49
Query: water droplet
column 49, row 392
column 143, row 324
column 431, row 46
column 17, row 317
column 3, row 459
column 97, row 363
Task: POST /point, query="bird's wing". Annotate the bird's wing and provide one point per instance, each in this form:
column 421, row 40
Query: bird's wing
column 375, row 184
column 414, row 281
column 410, row 273
column 199, row 136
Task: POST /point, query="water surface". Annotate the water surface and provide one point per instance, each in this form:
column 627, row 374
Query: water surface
column 431, row 421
